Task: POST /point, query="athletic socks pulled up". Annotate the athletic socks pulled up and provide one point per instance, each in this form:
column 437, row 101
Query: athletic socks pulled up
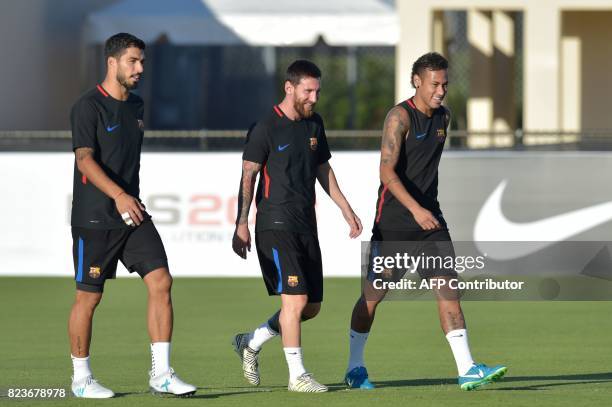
column 160, row 358
column 294, row 362
column 80, row 368
column 357, row 342
column 458, row 342
column 261, row 335
column 264, row 332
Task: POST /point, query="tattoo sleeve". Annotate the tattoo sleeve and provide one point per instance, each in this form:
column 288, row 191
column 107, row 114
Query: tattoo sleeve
column 245, row 193
column 394, row 131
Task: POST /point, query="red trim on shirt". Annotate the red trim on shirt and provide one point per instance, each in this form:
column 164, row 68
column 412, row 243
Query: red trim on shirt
column 266, row 182
column 84, row 179
column 102, row 91
column 380, row 204
column 278, row 111
column 411, row 103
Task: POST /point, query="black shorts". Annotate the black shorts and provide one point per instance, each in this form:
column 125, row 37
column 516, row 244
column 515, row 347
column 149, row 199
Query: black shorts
column 96, row 252
column 436, row 245
column 290, row 263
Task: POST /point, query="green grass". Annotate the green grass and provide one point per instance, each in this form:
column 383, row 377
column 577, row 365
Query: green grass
column 558, row 353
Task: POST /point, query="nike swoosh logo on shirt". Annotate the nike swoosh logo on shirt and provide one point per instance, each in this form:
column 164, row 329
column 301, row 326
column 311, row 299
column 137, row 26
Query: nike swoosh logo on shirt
column 493, row 226
column 420, row 136
column 111, row 128
column 282, row 148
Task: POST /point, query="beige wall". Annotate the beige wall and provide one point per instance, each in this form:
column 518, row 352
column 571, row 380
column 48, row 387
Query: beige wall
column 591, row 32
column 567, row 59
column 41, row 61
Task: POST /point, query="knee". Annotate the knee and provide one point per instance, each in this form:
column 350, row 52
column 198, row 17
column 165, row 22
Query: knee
column 310, row 311
column 368, row 305
column 159, row 281
column 294, row 306
column 87, row 300
column 166, row 282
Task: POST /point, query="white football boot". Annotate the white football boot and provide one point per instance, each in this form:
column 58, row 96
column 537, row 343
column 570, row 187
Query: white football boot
column 248, row 357
column 306, row 384
column 89, row 388
column 169, row 383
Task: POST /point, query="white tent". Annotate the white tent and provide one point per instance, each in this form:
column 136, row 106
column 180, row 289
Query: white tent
column 250, row 22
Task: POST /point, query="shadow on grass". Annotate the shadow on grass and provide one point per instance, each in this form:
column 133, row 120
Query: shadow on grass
column 215, row 393
column 565, row 380
column 119, row 395
column 208, row 392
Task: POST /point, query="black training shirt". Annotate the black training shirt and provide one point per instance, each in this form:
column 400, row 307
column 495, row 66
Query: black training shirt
column 290, row 152
column 417, row 169
column 114, row 130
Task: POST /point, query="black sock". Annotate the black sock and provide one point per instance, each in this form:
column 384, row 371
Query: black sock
column 273, row 322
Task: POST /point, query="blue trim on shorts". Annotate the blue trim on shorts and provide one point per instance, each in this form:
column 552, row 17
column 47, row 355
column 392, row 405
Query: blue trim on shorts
column 279, row 287
column 79, row 277
column 374, row 252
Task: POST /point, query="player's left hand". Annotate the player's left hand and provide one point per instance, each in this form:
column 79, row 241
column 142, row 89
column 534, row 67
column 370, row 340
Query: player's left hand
column 241, row 242
column 354, row 222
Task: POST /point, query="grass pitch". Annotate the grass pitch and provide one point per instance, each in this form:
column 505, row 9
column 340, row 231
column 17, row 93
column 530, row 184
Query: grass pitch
column 558, row 353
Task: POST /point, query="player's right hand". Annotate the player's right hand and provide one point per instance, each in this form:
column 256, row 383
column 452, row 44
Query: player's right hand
column 241, row 242
column 425, row 219
column 127, row 203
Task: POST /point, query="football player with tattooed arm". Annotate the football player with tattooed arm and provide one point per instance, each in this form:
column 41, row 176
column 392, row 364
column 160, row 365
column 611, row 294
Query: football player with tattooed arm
column 408, row 211
column 109, row 222
column 288, row 148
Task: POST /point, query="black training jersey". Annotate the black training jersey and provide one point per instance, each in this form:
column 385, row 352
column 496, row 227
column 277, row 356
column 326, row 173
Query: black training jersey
column 417, row 169
column 114, row 130
column 290, row 152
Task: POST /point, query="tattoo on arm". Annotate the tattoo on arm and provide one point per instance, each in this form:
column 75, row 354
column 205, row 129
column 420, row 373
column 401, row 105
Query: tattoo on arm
column 247, row 186
column 83, row 152
column 392, row 180
column 395, row 129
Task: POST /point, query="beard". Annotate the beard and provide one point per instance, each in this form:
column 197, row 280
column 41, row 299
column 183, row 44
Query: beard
column 304, row 110
column 124, row 81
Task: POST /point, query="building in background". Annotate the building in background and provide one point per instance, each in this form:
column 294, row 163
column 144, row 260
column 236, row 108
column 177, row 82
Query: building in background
column 564, row 57
column 518, row 66
column 40, row 42
column 214, row 64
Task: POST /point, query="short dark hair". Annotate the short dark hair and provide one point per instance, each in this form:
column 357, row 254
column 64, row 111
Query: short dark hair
column 302, row 69
column 432, row 61
column 116, row 45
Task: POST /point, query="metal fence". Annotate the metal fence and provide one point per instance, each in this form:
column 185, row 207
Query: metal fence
column 459, row 53
column 339, row 140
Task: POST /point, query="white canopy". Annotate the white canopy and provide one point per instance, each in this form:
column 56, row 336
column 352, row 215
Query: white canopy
column 250, row 22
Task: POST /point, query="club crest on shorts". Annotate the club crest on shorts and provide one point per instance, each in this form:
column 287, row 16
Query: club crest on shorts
column 140, row 124
column 94, row 272
column 314, row 143
column 292, row 281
